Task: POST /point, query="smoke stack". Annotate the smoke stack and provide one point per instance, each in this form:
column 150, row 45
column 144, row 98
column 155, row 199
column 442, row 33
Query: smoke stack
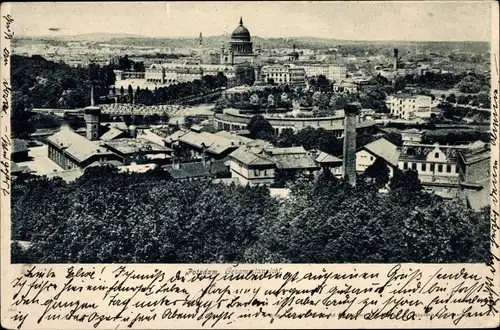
column 395, row 59
column 349, row 154
column 92, row 103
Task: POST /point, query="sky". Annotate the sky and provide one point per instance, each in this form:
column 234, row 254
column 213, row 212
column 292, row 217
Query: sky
column 350, row 20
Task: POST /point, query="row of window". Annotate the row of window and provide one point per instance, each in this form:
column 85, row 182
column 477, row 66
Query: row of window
column 432, row 167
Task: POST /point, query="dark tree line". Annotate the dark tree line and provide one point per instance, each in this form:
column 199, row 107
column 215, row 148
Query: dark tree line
column 178, row 91
column 39, row 83
column 111, row 217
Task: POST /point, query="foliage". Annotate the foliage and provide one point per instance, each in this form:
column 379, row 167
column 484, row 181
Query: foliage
column 39, row 83
column 260, row 128
column 111, row 217
column 378, row 171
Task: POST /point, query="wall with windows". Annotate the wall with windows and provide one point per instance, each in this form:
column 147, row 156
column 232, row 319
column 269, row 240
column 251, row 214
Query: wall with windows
column 251, row 176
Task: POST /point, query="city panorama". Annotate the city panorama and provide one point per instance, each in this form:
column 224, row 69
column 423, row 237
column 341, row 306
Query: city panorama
column 222, row 134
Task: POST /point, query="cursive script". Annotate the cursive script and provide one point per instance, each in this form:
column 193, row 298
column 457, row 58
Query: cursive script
column 138, row 296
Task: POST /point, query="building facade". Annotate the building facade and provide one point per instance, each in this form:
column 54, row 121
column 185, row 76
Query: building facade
column 436, row 165
column 284, row 75
column 410, row 106
column 240, row 47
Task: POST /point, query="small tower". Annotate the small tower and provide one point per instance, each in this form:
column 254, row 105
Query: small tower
column 200, row 41
column 349, row 154
column 92, row 114
column 223, row 59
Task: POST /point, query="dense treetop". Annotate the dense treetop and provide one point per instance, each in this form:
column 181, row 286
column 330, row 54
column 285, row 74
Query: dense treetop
column 106, row 216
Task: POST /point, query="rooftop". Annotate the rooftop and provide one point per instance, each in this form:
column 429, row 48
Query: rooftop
column 111, row 134
column 385, row 150
column 75, row 145
column 131, row 146
column 213, row 143
column 248, row 157
column 476, row 151
column 19, row 145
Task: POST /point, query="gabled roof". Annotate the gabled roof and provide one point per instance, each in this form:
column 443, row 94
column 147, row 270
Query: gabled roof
column 76, row 146
column 213, row 143
column 385, row 150
column 175, row 136
column 323, row 157
column 131, row 146
column 248, row 157
column 476, row 152
column 112, row 134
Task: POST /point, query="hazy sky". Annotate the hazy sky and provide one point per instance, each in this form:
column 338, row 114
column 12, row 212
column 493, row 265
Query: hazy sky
column 439, row 21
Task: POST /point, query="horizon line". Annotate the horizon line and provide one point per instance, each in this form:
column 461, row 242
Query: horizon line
column 133, row 35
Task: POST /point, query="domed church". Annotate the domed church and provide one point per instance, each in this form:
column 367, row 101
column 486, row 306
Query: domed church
column 240, row 47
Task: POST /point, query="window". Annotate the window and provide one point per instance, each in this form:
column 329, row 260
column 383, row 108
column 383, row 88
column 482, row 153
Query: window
column 432, row 167
column 436, row 155
column 456, row 169
column 256, row 172
column 405, row 166
column 440, row 168
column 371, row 157
column 424, row 167
column 414, row 166
column 448, row 168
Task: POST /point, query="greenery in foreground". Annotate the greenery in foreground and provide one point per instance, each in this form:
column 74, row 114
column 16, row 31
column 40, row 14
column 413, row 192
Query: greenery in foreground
column 107, row 217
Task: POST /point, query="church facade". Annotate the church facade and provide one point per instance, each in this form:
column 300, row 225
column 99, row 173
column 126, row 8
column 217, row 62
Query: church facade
column 236, row 63
column 240, row 47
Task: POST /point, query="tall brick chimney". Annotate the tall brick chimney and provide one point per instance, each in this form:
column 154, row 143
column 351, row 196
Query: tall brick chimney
column 349, row 154
column 396, row 59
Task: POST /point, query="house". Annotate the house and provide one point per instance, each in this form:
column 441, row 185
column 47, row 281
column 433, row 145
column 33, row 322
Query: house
column 255, row 166
column 436, row 165
column 409, row 107
column 248, row 167
column 474, row 162
column 379, row 149
column 210, row 146
column 474, row 173
column 130, row 149
column 70, row 150
column 19, row 150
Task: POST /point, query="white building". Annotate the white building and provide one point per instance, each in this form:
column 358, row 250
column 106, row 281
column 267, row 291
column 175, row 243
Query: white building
column 284, row 75
column 332, row 72
column 410, row 106
column 381, row 148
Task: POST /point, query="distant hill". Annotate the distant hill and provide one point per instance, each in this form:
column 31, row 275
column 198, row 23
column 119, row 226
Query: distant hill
column 300, row 42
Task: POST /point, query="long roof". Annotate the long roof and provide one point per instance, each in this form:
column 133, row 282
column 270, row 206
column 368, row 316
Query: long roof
column 213, row 143
column 113, row 133
column 247, row 157
column 385, row 150
column 76, row 146
column 130, row 146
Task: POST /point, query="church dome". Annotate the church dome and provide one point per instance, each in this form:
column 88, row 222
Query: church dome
column 241, row 32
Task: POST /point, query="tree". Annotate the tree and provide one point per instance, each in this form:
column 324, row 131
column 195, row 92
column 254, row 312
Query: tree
column 271, row 103
column 405, row 181
column 260, row 128
column 254, row 99
column 130, row 93
column 378, row 171
column 451, row 98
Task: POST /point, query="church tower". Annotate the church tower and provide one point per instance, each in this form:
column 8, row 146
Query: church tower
column 92, row 114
